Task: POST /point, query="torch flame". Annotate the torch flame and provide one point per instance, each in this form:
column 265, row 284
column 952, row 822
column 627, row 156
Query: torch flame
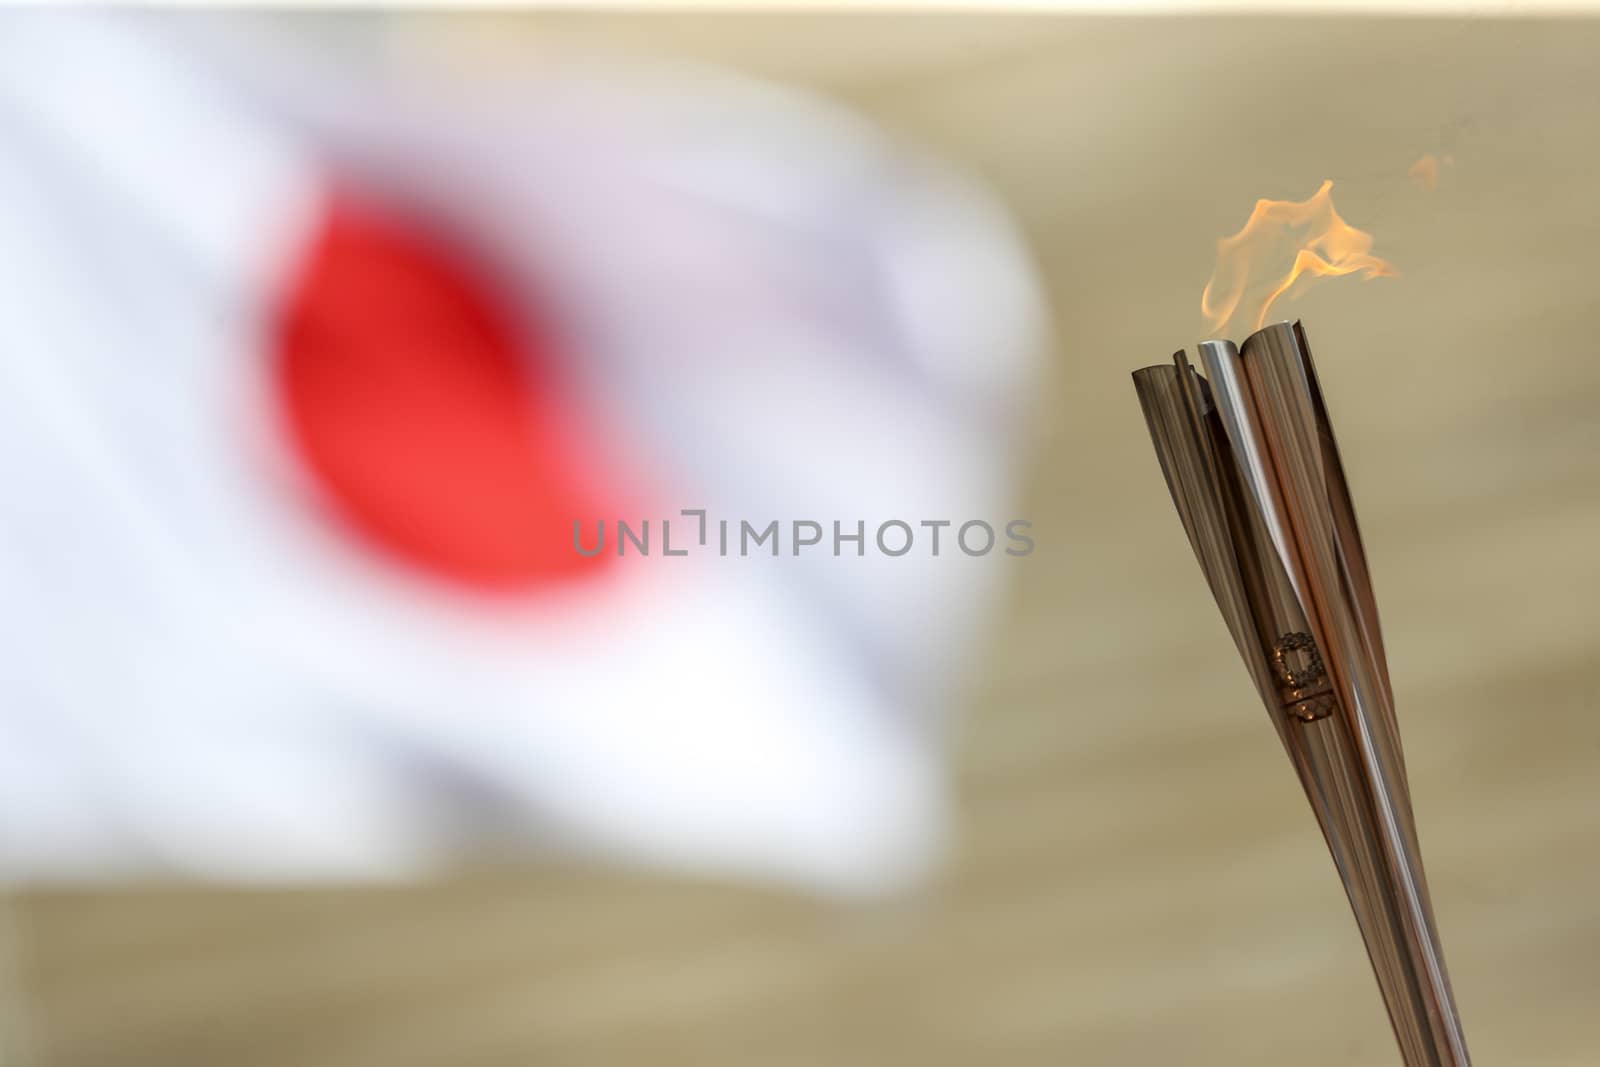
column 1327, row 246
column 1425, row 172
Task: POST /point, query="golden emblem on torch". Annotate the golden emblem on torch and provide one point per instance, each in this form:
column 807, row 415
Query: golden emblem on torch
column 1307, row 695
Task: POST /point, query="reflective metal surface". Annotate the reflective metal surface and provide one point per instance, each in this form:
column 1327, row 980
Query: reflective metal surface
column 1250, row 458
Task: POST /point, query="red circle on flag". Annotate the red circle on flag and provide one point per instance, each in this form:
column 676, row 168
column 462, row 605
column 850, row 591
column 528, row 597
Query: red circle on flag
column 432, row 421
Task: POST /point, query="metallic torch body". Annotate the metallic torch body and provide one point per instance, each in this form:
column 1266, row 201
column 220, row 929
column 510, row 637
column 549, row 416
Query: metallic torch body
column 1250, row 458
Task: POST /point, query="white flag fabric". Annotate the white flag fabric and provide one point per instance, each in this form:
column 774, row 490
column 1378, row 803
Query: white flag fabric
column 308, row 370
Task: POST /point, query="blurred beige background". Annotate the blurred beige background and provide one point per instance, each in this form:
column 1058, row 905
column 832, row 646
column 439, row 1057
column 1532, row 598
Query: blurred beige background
column 1135, row 877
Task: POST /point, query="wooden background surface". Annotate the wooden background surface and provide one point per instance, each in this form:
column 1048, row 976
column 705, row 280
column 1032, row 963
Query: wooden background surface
column 1135, row 878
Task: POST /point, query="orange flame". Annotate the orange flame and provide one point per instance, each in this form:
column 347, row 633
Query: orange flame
column 1425, row 172
column 1326, row 246
column 1428, row 171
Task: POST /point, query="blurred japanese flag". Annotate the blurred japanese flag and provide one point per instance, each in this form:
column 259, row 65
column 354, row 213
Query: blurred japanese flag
column 308, row 364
